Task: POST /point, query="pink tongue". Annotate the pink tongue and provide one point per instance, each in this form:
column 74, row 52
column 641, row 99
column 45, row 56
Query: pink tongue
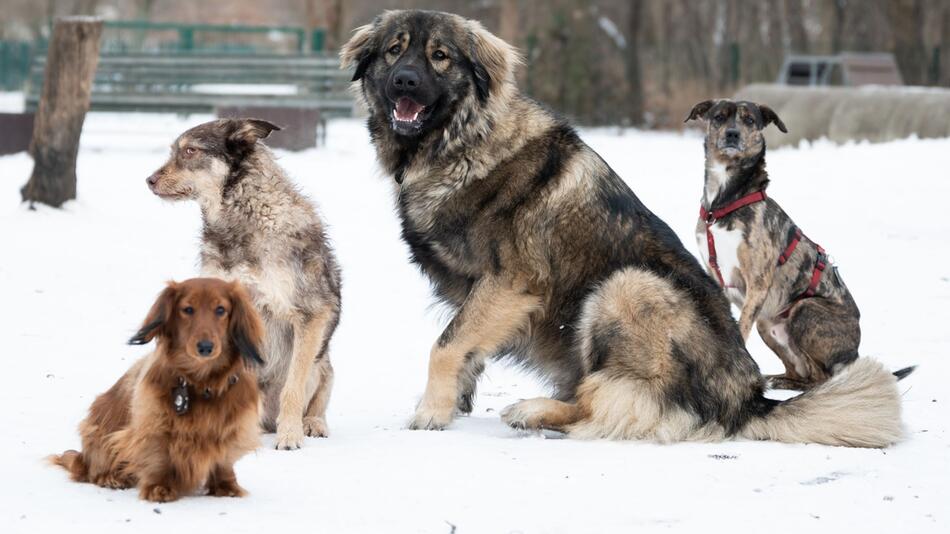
column 406, row 109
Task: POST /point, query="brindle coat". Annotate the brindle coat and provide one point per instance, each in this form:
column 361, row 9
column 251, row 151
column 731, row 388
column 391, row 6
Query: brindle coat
column 814, row 337
column 260, row 230
column 545, row 254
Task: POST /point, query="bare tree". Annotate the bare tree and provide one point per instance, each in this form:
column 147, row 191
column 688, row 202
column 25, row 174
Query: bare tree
column 796, row 26
column 326, row 14
column 907, row 22
column 944, row 65
column 70, row 67
column 632, row 62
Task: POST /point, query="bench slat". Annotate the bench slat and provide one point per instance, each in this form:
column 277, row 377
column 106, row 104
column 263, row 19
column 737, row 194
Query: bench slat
column 167, row 83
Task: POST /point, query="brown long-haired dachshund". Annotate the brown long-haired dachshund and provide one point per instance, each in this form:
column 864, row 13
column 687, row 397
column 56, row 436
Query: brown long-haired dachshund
column 180, row 417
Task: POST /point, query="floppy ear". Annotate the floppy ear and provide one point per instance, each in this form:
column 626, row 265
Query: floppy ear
column 769, row 116
column 158, row 317
column 249, row 131
column 493, row 61
column 360, row 49
column 245, row 329
column 700, row 110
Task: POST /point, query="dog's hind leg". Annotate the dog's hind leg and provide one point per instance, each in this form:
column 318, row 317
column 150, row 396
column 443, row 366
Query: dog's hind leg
column 775, row 336
column 541, row 413
column 309, row 340
column 827, row 333
column 492, row 314
column 315, row 419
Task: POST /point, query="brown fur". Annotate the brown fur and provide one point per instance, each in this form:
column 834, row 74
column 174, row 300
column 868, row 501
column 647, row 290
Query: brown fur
column 261, row 231
column 133, row 436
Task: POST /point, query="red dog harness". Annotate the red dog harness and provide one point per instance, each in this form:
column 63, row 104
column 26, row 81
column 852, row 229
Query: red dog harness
column 710, row 218
column 794, row 238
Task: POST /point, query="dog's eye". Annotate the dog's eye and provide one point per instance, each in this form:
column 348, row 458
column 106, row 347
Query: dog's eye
column 720, row 118
column 188, row 310
column 190, row 151
column 395, row 49
column 219, row 311
column 439, row 55
column 749, row 121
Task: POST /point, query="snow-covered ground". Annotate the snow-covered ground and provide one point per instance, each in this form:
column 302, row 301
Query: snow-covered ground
column 75, row 283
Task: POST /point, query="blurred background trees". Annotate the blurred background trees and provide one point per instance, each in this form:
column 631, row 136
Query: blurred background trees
column 639, row 62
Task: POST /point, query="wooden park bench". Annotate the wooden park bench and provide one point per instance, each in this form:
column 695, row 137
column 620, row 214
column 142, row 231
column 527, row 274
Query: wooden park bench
column 206, row 83
column 200, row 83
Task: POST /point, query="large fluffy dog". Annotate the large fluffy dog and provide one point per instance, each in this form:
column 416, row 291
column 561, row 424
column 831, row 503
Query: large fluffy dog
column 548, row 256
column 179, row 418
column 260, row 230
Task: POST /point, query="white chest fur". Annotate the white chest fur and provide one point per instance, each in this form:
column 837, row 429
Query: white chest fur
column 727, row 251
column 271, row 285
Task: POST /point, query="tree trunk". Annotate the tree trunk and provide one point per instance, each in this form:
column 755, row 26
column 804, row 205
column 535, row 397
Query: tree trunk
column 907, row 21
column 632, row 63
column 944, row 74
column 509, row 21
column 796, row 26
column 328, row 15
column 70, row 67
column 839, row 26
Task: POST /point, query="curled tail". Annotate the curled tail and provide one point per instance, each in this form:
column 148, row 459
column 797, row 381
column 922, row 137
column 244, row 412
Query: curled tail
column 71, row 461
column 858, row 407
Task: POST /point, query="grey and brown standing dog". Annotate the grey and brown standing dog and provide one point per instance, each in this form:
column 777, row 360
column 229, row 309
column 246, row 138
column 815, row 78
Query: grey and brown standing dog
column 545, row 254
column 782, row 281
column 260, row 230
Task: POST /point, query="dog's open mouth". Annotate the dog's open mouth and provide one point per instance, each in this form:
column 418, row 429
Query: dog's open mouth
column 407, row 110
column 408, row 114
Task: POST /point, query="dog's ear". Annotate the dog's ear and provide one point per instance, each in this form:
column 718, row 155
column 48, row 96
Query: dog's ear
column 493, row 61
column 245, row 328
column 769, row 116
column 246, row 132
column 360, row 49
column 700, row 110
column 158, row 318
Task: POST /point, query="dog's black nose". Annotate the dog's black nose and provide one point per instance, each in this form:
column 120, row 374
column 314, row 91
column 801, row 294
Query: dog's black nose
column 732, row 135
column 406, row 79
column 205, row 348
column 152, row 180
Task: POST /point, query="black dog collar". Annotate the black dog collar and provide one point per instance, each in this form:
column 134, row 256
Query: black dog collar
column 181, row 400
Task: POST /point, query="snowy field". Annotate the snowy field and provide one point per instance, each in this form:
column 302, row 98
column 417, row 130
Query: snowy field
column 75, row 283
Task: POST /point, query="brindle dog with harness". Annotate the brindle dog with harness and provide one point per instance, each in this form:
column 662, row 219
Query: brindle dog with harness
column 783, row 281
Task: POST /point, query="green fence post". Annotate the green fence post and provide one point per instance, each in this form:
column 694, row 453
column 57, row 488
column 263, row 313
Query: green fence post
column 186, row 39
column 316, row 40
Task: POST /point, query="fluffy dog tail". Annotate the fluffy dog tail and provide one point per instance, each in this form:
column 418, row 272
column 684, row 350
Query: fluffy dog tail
column 858, row 407
column 71, row 461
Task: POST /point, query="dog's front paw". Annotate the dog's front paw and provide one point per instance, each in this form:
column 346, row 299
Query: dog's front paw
column 521, row 416
column 289, row 436
column 427, row 419
column 158, row 493
column 315, row 427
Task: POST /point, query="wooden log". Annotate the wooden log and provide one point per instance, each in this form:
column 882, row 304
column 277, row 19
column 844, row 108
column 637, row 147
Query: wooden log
column 70, row 68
